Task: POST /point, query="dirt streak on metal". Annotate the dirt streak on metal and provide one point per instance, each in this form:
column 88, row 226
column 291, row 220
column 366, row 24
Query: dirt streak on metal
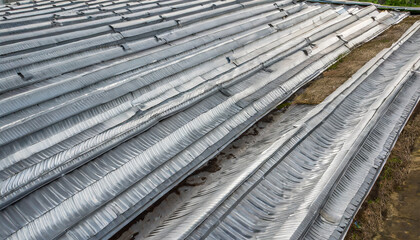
column 258, row 137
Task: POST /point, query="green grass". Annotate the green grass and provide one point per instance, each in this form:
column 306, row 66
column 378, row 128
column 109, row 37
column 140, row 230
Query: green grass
column 404, row 3
column 339, row 59
column 283, row 105
column 387, row 172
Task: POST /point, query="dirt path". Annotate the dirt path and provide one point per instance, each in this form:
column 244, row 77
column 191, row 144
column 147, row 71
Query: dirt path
column 403, row 220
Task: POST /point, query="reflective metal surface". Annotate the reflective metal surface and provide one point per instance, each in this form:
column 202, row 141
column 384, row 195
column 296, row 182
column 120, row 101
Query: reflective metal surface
column 104, row 106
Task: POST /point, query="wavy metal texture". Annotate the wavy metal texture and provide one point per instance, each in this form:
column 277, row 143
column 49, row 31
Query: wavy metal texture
column 356, row 181
column 105, row 105
column 309, row 183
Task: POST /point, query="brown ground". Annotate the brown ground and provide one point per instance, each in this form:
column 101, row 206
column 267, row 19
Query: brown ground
column 403, row 220
column 338, row 73
column 383, row 214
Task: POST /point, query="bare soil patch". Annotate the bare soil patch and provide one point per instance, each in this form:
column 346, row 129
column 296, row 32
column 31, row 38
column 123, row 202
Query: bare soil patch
column 382, row 211
column 338, row 73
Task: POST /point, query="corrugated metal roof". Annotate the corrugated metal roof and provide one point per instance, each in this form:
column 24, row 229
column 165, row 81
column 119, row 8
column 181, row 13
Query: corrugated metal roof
column 106, row 105
column 364, row 167
column 308, row 183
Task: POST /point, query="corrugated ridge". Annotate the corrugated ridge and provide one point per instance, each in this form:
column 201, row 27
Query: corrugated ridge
column 72, row 161
column 252, row 210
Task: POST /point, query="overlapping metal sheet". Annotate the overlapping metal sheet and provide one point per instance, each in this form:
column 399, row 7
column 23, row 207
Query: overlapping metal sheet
column 349, row 191
column 309, row 183
column 104, row 106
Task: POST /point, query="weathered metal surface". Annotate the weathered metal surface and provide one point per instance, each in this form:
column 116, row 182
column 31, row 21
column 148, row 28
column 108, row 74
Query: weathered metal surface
column 104, row 106
column 309, row 183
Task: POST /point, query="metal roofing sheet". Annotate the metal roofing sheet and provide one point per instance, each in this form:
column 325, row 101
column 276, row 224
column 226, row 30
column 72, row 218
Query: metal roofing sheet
column 99, row 116
column 309, row 183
